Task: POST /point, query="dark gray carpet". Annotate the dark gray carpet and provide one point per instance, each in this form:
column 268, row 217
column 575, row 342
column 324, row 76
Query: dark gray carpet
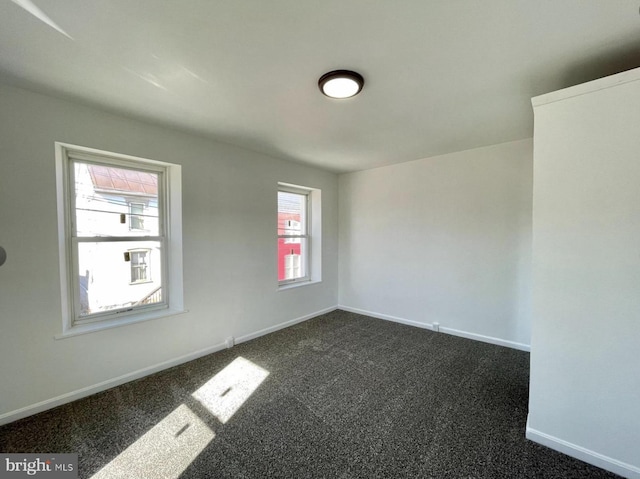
column 346, row 396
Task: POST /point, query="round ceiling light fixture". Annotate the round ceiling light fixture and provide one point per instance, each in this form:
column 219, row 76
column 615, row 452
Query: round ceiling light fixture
column 341, row 84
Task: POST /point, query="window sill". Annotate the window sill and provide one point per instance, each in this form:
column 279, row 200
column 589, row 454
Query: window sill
column 116, row 323
column 299, row 284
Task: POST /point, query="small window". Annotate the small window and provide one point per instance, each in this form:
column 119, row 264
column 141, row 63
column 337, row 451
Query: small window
column 136, row 216
column 140, row 266
column 294, row 239
column 119, row 263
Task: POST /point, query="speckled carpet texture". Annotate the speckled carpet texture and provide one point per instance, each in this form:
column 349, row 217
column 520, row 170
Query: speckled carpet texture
column 338, row 396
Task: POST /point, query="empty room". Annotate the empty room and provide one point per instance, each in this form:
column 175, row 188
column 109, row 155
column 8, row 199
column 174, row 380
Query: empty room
column 341, row 239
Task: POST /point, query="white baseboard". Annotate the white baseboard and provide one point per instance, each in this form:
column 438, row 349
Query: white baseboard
column 286, row 324
column 386, row 317
column 104, row 385
column 140, row 373
column 600, row 460
column 454, row 332
column 486, row 339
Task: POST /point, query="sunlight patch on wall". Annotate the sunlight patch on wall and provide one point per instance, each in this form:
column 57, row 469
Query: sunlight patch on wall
column 227, row 391
column 33, row 9
column 164, row 451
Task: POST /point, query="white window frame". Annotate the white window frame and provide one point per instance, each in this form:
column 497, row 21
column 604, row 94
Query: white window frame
column 170, row 237
column 312, row 231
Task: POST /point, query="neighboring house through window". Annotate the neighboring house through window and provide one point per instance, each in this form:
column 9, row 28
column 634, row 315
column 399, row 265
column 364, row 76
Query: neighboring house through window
column 118, row 260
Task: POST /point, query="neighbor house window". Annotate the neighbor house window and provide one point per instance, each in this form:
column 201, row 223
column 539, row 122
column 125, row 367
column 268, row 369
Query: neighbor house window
column 136, row 216
column 140, row 266
column 291, row 227
column 119, row 263
column 292, row 266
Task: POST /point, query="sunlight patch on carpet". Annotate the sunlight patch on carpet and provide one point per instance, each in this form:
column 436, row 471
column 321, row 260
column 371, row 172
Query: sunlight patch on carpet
column 228, row 390
column 165, row 451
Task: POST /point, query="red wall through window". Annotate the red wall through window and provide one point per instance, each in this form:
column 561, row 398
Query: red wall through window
column 283, row 247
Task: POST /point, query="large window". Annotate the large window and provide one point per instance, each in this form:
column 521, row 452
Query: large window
column 118, row 255
column 295, row 237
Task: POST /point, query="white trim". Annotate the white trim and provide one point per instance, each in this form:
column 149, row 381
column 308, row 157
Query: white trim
column 430, row 326
column 296, row 189
column 286, row 324
column 104, row 385
column 387, row 317
column 138, row 317
column 600, row 460
column 486, row 339
column 84, row 153
column 297, row 284
column 64, row 225
column 140, row 373
column 315, row 234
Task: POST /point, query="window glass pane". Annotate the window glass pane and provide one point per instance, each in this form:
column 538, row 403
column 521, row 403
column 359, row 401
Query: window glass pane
column 292, row 227
column 118, row 274
column 291, row 259
column 112, row 201
column 291, row 213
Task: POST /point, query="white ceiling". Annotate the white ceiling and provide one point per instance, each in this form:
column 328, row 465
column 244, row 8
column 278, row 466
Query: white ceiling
column 441, row 75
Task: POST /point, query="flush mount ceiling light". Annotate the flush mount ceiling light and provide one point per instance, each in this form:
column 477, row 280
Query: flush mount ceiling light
column 341, row 84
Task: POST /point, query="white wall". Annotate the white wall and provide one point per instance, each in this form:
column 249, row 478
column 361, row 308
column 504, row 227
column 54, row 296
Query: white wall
column 229, row 236
column 444, row 239
column 585, row 360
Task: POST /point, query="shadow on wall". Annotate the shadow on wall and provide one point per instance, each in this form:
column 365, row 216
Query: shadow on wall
column 602, row 64
column 587, row 68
